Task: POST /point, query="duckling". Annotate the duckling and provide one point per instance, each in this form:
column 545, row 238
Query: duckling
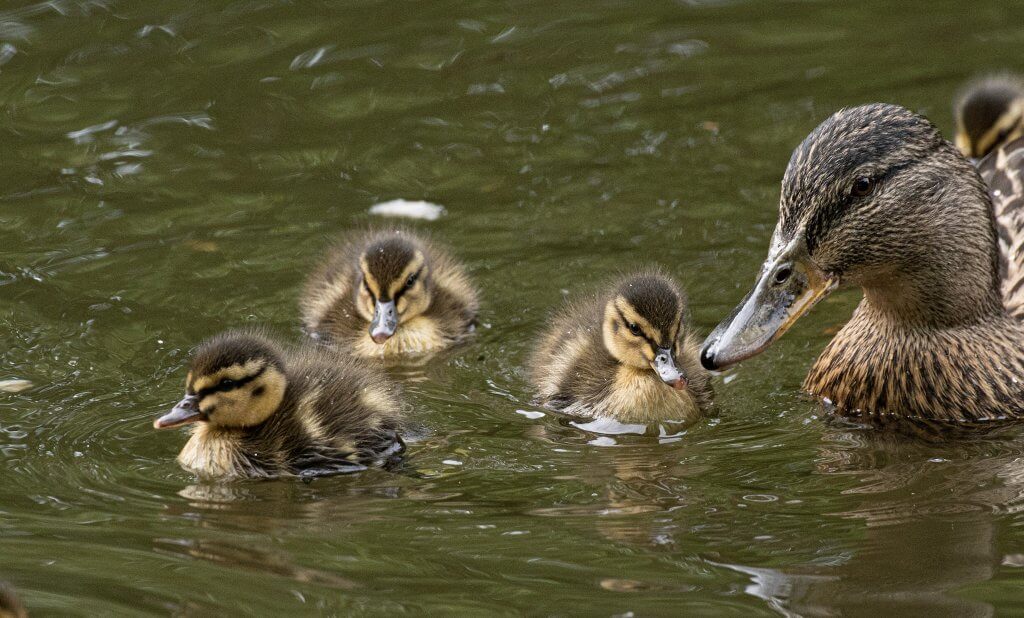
column 626, row 354
column 989, row 112
column 259, row 410
column 389, row 293
column 10, row 605
column 876, row 198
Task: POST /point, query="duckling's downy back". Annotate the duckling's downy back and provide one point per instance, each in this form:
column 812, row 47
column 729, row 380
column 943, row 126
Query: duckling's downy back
column 260, row 410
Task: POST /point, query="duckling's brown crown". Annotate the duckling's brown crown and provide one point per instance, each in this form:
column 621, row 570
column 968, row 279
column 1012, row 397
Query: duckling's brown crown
column 234, row 348
column 386, row 259
column 654, row 297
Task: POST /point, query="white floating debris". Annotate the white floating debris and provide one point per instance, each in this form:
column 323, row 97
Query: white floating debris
column 610, row 426
column 452, row 462
column 14, row 386
column 409, row 209
column 530, row 414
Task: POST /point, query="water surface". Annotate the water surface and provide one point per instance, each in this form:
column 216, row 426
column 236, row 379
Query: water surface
column 171, row 169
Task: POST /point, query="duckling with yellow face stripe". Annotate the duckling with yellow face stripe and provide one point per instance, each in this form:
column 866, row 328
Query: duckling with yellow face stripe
column 258, row 410
column 989, row 113
column 389, row 293
column 627, row 354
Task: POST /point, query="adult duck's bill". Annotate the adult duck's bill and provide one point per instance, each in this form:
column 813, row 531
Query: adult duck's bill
column 789, row 285
column 185, row 412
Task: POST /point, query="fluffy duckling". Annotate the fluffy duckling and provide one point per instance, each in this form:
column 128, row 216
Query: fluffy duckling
column 260, row 411
column 989, row 112
column 389, row 293
column 876, row 198
column 10, row 605
column 627, row 354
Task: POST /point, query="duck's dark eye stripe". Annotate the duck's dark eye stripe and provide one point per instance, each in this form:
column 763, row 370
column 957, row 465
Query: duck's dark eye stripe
column 403, row 289
column 641, row 334
column 233, row 385
column 824, row 219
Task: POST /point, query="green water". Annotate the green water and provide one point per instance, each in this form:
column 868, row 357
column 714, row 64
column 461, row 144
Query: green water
column 171, row 169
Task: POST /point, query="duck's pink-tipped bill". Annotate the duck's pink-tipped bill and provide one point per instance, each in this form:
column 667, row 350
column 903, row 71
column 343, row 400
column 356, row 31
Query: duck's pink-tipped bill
column 185, row 412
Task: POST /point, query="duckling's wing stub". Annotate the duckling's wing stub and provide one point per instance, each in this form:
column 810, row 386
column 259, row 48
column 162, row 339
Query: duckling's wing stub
column 1003, row 172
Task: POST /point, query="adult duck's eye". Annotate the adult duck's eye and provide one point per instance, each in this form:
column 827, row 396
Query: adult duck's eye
column 862, row 186
column 634, row 328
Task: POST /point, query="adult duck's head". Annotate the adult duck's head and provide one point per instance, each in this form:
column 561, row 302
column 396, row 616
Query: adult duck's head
column 873, row 197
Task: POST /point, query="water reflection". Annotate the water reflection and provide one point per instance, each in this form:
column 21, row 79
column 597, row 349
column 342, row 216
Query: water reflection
column 929, row 509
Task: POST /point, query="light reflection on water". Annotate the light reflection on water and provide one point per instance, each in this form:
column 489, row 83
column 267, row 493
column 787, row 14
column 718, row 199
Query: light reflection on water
column 174, row 169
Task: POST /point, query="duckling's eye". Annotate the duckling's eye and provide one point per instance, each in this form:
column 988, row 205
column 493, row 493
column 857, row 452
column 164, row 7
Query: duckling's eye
column 863, row 186
column 411, row 281
column 634, row 328
column 227, row 383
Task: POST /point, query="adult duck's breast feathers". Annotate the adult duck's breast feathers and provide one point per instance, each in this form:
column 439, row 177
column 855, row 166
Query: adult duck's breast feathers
column 1003, row 172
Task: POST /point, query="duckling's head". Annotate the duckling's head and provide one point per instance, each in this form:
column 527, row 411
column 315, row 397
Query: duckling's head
column 876, row 198
column 643, row 322
column 989, row 112
column 395, row 284
column 235, row 380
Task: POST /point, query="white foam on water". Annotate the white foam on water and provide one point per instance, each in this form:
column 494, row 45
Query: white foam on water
column 409, row 209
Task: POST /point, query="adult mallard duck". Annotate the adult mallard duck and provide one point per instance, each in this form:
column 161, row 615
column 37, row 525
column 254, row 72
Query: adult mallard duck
column 626, row 354
column 876, row 198
column 258, row 410
column 989, row 113
column 389, row 293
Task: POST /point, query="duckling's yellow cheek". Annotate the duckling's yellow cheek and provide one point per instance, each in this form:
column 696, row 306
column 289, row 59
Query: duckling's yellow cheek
column 210, row 403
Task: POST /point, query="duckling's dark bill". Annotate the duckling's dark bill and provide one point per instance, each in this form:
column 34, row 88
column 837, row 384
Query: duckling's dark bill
column 385, row 321
column 665, row 364
column 185, row 412
column 789, row 286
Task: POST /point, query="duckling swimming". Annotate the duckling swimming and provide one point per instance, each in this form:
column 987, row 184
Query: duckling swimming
column 627, row 354
column 876, row 198
column 989, row 112
column 260, row 411
column 389, row 293
column 10, row 605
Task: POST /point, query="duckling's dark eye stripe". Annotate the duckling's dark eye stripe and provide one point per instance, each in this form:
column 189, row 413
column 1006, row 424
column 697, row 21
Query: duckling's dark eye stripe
column 233, row 385
column 403, row 289
column 641, row 334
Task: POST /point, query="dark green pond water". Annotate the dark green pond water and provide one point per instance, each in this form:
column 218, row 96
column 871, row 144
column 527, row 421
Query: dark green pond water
column 171, row 169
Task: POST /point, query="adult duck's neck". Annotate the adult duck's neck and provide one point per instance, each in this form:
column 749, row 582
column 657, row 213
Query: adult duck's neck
column 947, row 275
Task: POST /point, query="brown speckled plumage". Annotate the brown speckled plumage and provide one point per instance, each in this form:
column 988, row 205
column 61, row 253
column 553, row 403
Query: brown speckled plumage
column 334, row 415
column 444, row 315
column 1003, row 172
column 574, row 370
